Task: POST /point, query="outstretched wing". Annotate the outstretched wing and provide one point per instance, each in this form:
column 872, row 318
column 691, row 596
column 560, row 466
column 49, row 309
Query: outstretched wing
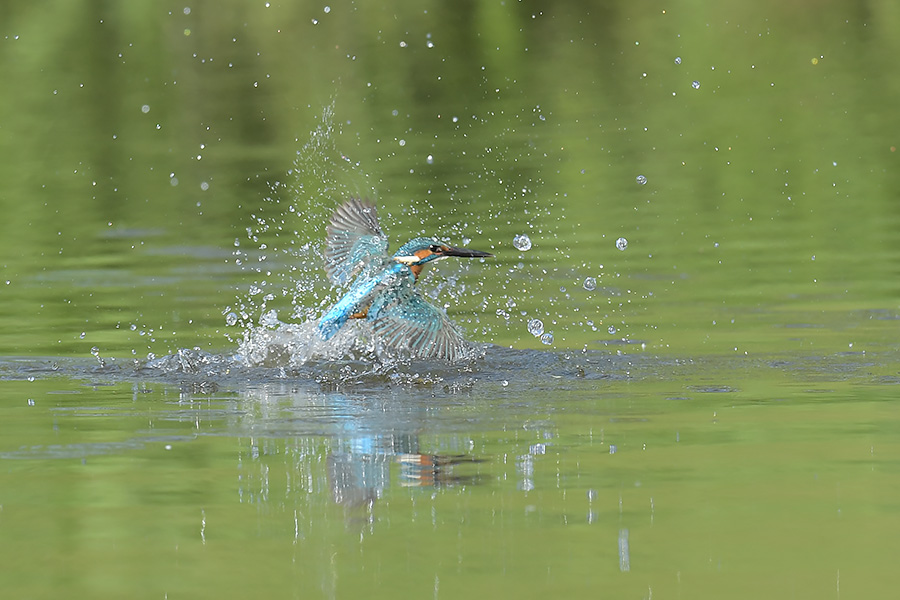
column 410, row 327
column 354, row 239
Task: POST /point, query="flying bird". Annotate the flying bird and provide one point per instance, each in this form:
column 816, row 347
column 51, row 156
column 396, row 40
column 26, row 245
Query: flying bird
column 383, row 289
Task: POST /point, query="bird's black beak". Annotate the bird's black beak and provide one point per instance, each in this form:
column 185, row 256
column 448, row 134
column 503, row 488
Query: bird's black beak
column 465, row 253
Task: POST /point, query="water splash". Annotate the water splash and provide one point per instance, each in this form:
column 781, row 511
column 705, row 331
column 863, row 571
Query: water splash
column 284, row 246
column 286, row 243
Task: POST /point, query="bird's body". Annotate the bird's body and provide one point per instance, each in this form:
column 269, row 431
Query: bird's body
column 383, row 288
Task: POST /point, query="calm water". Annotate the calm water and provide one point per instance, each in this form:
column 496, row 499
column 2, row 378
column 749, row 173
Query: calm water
column 712, row 414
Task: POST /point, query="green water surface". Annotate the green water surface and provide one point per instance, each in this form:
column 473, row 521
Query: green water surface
column 714, row 417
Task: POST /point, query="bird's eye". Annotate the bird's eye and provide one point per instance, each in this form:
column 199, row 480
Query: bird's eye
column 436, row 249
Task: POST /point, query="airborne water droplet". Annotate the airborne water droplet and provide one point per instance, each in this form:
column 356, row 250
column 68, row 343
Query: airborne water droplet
column 522, row 242
column 621, row 243
column 535, row 327
column 547, row 338
column 590, row 284
column 696, row 85
column 641, row 179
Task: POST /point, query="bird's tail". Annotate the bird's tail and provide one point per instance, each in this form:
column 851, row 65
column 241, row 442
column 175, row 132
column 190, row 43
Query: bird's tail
column 330, row 324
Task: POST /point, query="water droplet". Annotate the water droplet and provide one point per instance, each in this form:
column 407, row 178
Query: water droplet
column 612, row 448
column 611, row 330
column 641, row 179
column 83, row 334
column 621, row 243
column 677, row 60
column 145, row 108
column 696, row 85
column 231, row 319
column 269, row 319
column 535, row 327
column 590, row 284
column 429, row 159
column 522, row 242
column 547, row 338
column 31, row 402
column 504, row 383
column 95, row 351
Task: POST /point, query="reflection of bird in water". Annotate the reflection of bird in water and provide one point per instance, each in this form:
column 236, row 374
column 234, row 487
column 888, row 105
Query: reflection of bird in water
column 436, row 470
column 383, row 291
column 359, row 469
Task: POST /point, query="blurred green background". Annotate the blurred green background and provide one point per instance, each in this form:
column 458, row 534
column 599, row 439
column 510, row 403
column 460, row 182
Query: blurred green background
column 137, row 139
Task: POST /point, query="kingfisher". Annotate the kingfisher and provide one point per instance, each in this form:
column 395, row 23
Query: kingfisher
column 383, row 290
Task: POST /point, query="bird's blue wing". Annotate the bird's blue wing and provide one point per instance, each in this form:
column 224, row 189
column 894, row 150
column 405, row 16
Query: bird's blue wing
column 406, row 325
column 354, row 239
column 362, row 293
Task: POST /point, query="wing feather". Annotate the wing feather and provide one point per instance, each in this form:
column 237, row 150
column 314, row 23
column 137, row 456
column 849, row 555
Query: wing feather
column 354, row 240
column 412, row 327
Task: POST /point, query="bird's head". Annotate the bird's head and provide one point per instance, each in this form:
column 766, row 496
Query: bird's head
column 418, row 252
